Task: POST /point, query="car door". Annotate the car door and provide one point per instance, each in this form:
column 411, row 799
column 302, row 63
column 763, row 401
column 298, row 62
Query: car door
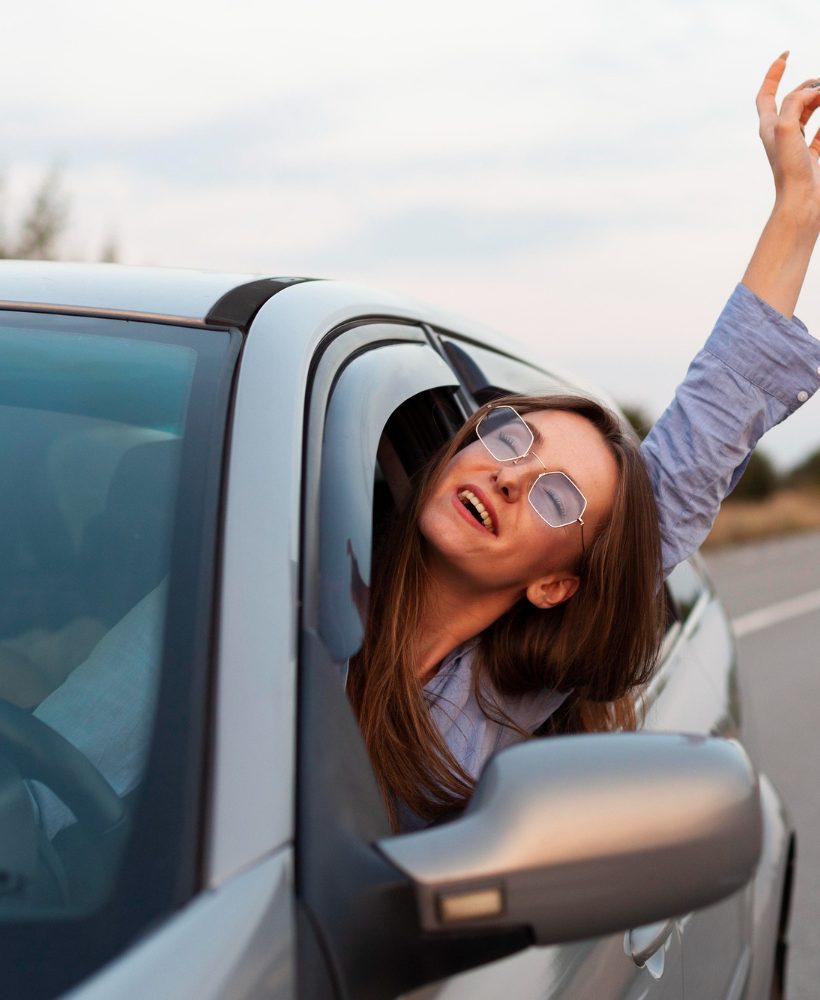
column 381, row 402
column 695, row 690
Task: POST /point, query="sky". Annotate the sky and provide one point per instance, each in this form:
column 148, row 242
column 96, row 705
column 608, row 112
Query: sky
column 585, row 177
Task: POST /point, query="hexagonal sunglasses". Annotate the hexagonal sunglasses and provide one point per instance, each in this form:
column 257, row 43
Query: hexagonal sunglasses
column 553, row 496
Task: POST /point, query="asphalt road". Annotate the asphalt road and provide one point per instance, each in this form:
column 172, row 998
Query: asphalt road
column 772, row 592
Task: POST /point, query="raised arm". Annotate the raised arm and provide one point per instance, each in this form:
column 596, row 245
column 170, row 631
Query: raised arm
column 778, row 265
column 760, row 363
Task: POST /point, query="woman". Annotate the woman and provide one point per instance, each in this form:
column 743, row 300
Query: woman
column 520, row 592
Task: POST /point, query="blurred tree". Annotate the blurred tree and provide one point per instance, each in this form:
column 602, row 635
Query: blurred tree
column 42, row 224
column 759, row 480
column 807, row 473
column 639, row 418
column 110, row 252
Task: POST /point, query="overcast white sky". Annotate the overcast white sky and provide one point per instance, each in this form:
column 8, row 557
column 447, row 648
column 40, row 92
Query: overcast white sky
column 587, row 175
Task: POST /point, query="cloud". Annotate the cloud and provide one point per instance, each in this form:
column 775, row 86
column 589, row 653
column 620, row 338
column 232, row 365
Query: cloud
column 233, row 145
column 437, row 233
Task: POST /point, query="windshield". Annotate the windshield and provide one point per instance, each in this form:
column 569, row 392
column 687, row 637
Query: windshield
column 110, row 436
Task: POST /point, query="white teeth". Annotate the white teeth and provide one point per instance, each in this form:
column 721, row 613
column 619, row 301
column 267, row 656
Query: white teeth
column 472, row 499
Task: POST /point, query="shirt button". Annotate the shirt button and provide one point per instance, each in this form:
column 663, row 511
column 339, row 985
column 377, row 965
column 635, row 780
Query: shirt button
column 802, row 396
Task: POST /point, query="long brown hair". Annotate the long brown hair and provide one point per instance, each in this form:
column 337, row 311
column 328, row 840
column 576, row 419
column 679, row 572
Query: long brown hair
column 601, row 644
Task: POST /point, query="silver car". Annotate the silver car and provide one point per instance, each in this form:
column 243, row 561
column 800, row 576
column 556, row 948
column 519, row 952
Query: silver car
column 196, row 468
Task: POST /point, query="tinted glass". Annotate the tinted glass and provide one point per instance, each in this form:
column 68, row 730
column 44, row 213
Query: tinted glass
column 106, row 431
column 489, row 374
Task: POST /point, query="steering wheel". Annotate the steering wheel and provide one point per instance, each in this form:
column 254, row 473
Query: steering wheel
column 38, row 752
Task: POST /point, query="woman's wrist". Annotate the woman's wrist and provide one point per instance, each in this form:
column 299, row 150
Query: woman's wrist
column 798, row 215
column 778, row 266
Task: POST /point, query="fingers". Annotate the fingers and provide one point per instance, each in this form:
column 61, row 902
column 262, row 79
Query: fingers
column 795, row 111
column 808, row 111
column 798, row 107
column 765, row 100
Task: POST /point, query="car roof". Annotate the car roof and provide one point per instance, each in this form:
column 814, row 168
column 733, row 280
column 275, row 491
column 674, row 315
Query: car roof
column 114, row 288
column 192, row 295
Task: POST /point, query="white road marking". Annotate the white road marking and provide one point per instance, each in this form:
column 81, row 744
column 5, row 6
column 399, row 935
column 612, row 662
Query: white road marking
column 774, row 614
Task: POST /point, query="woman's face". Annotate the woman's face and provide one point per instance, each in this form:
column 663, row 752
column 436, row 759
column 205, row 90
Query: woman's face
column 514, row 548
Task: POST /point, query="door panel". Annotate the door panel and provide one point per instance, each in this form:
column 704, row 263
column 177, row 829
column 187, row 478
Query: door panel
column 231, row 943
column 593, row 969
column 695, row 692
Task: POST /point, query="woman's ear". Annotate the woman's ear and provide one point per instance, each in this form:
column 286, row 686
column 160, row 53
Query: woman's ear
column 548, row 591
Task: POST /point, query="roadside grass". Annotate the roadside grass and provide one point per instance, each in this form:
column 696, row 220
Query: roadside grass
column 782, row 513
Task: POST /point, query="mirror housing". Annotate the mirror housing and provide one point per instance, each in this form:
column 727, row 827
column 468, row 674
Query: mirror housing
column 579, row 836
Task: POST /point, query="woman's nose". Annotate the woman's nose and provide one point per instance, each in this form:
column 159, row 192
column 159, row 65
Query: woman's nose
column 510, row 480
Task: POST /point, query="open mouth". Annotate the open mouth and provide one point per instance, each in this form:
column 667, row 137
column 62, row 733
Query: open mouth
column 477, row 509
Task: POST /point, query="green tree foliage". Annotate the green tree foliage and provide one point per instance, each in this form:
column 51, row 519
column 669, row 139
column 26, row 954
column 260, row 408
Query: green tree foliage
column 41, row 225
column 807, row 474
column 759, row 480
column 639, row 418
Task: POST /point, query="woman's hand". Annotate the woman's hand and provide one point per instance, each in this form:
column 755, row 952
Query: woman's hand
column 778, row 266
column 794, row 163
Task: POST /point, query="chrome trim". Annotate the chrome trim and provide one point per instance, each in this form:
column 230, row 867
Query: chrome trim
column 97, row 313
column 643, row 942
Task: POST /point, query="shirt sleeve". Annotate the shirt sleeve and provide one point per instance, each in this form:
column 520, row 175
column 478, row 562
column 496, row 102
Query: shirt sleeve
column 755, row 369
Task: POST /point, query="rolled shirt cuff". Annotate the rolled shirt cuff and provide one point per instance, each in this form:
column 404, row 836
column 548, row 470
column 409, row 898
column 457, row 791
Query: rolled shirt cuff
column 768, row 349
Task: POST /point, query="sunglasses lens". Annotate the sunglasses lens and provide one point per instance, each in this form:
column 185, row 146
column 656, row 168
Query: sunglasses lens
column 557, row 499
column 504, row 434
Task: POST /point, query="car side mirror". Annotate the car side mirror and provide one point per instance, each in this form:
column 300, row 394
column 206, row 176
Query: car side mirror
column 579, row 836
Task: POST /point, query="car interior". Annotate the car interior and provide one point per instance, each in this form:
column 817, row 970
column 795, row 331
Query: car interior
column 85, row 538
